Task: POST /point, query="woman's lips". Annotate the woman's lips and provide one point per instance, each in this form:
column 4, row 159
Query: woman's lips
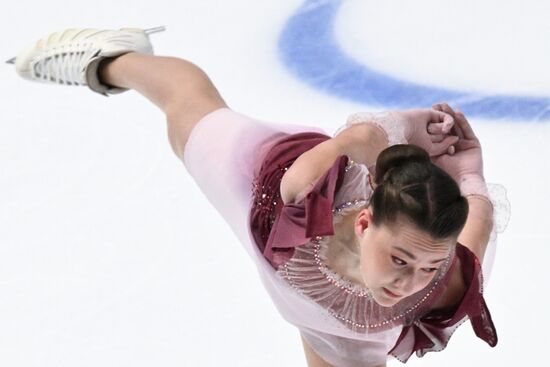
column 391, row 294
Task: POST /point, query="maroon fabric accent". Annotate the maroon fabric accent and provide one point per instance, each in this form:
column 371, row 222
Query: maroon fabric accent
column 441, row 324
column 280, row 229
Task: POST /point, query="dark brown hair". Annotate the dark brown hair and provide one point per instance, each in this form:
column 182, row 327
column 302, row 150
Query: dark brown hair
column 410, row 185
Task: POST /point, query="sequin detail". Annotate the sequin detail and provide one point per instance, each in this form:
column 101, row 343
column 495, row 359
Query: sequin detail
column 265, row 198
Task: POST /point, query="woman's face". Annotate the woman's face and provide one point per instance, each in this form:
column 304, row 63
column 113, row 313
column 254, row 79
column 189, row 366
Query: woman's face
column 403, row 260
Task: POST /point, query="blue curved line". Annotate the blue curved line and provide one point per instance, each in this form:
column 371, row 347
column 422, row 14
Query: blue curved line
column 308, row 48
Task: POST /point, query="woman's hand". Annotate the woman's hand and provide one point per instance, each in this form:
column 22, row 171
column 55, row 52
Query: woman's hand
column 467, row 162
column 428, row 129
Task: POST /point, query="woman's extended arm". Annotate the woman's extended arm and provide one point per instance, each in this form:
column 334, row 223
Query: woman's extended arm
column 302, row 175
column 466, row 167
column 474, row 236
column 476, row 232
column 363, row 142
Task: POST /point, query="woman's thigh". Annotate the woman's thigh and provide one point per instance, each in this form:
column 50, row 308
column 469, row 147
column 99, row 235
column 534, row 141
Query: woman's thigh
column 223, row 155
column 182, row 119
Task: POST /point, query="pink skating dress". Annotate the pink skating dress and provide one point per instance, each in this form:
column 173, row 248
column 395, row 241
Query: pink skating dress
column 339, row 318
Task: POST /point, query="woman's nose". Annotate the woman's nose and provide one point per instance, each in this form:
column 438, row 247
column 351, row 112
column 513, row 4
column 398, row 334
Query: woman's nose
column 405, row 284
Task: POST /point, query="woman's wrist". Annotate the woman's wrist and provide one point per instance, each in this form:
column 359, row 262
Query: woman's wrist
column 480, row 208
column 474, row 185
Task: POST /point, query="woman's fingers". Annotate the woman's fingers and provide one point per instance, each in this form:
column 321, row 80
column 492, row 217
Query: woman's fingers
column 444, row 118
column 441, row 127
column 444, row 145
column 440, row 122
column 441, row 117
column 460, row 135
column 439, row 107
column 456, row 130
column 437, row 138
column 444, row 107
column 464, row 125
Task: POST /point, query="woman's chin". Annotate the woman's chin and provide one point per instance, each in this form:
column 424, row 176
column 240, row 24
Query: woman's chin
column 384, row 302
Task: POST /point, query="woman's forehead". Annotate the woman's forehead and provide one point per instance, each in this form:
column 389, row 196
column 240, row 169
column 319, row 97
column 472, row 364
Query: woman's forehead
column 413, row 240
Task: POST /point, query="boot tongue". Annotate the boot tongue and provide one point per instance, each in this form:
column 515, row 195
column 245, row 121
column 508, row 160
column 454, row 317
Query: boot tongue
column 91, row 76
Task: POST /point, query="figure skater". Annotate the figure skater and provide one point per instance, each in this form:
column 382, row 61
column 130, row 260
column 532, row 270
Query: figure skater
column 371, row 241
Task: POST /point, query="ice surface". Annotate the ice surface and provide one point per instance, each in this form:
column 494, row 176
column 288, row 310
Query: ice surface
column 110, row 256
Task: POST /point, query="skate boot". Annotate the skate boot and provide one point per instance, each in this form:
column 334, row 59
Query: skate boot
column 72, row 56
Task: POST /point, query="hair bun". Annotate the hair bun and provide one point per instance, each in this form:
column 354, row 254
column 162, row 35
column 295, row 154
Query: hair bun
column 396, row 156
column 411, row 187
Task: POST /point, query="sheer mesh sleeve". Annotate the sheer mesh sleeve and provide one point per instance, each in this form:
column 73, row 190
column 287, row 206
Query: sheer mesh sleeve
column 388, row 122
column 501, row 217
column 356, row 189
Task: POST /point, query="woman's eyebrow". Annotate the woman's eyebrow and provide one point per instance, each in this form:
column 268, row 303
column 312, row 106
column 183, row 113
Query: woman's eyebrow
column 414, row 257
column 406, row 252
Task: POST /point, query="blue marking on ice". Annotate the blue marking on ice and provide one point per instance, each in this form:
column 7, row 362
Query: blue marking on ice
column 309, row 50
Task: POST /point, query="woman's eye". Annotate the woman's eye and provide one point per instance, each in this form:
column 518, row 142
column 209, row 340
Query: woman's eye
column 431, row 270
column 398, row 259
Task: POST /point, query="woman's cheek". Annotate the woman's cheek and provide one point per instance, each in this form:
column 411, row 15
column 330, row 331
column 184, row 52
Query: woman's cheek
column 368, row 272
column 374, row 271
column 386, row 271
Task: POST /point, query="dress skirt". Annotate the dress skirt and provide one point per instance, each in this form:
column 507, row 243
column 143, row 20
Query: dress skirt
column 224, row 153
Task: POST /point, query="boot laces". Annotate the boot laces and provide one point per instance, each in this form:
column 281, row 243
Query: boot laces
column 65, row 63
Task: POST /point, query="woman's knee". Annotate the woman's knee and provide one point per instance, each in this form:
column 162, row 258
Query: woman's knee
column 183, row 117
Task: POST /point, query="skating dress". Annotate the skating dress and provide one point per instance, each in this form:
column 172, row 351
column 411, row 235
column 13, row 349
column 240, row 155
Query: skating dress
column 338, row 317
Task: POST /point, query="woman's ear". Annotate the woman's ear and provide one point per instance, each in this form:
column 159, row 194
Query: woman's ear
column 363, row 221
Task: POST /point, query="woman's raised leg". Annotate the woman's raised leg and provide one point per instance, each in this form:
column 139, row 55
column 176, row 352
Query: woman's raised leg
column 178, row 87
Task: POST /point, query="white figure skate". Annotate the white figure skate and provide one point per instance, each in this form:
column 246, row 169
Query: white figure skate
column 72, row 56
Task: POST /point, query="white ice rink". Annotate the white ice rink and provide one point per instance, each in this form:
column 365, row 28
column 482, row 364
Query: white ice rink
column 110, row 255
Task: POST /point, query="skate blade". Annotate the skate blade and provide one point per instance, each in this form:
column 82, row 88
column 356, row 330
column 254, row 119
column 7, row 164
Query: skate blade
column 154, row 30
column 11, row 61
